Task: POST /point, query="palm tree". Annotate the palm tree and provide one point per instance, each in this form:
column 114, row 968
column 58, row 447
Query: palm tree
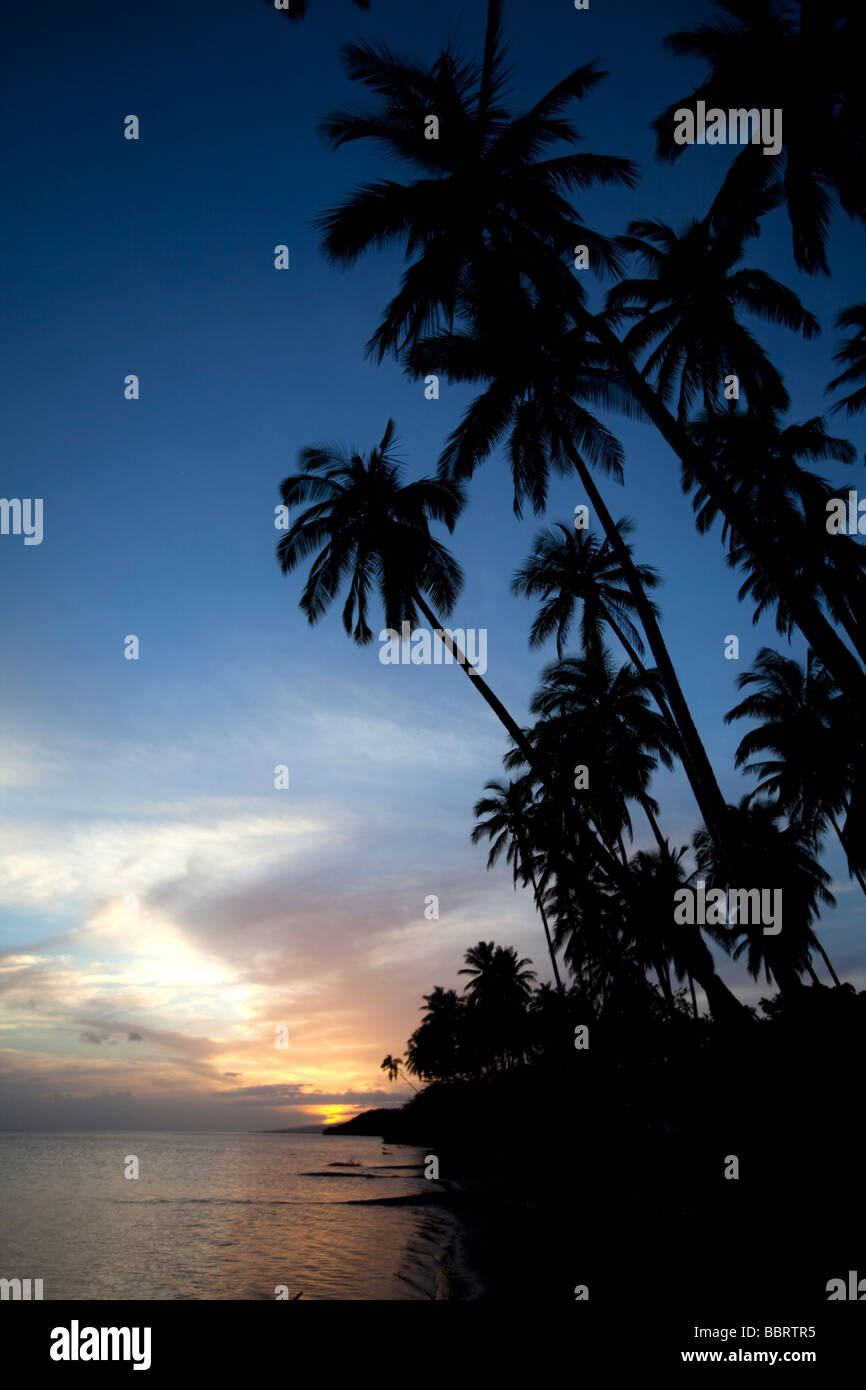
column 809, row 774
column 594, row 715
column 507, row 827
column 595, row 936
column 484, row 190
column 567, row 567
column 393, row 1067
column 852, row 354
column 499, row 991
column 600, row 717
column 538, row 371
column 485, row 217
column 437, row 1049
column 686, row 311
column 496, row 971
column 758, row 56
column 760, row 462
column 778, row 859
column 658, row 874
column 374, row 533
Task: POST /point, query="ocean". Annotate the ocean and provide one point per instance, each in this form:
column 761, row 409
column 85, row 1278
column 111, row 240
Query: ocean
column 221, row 1216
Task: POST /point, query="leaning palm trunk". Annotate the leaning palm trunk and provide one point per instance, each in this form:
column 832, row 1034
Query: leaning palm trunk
column 540, row 905
column 826, row 959
column 724, row 1004
column 841, row 838
column 654, row 827
column 606, row 860
column 806, row 611
column 651, row 685
column 697, row 765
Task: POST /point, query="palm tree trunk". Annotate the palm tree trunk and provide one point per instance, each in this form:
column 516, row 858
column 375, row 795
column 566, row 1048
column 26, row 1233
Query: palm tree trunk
column 826, row 959
column 807, row 613
column 664, row 982
column 856, row 872
column 642, row 671
column 606, row 860
column 540, row 905
column 724, row 1005
column 652, row 687
column 697, row 765
column 655, row 828
column 694, row 996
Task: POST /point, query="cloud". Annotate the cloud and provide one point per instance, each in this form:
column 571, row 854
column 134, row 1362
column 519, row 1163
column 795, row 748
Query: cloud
column 295, row 1094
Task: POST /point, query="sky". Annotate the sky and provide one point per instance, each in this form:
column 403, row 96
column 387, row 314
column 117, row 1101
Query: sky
column 164, row 907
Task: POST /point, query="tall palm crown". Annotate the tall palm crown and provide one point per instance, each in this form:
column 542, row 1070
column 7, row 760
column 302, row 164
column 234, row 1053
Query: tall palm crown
column 506, row 823
column 391, row 1066
column 433, row 1051
column 371, row 531
column 804, row 59
column 805, row 725
column 487, row 190
column 567, row 569
column 600, row 716
column 797, row 707
column 540, row 373
column 686, row 313
column 762, row 462
column 497, row 976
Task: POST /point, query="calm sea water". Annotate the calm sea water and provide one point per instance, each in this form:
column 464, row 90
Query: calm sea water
column 219, row 1216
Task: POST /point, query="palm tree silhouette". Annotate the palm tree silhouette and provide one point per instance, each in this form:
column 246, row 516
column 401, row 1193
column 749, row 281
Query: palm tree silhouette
column 601, row 716
column 437, row 1050
column 487, row 216
column 686, row 312
column 392, row 1066
column 802, row 725
column 374, row 531
column 508, row 827
column 658, row 874
column 484, row 191
column 775, row 858
column 586, row 705
column 568, row 567
column 757, row 55
column 538, row 371
column 852, row 354
column 499, row 990
column 760, row 462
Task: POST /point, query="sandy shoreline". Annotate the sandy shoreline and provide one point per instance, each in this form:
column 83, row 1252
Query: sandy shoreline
column 460, row 1271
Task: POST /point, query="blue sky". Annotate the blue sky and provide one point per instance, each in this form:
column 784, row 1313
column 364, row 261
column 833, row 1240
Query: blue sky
column 258, row 907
